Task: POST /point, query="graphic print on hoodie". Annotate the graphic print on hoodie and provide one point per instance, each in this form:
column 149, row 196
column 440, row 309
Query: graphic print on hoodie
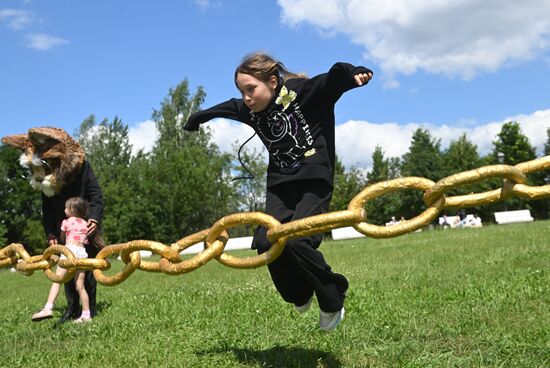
column 286, row 135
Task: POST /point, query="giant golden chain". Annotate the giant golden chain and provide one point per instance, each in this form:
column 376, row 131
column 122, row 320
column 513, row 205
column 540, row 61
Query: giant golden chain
column 215, row 238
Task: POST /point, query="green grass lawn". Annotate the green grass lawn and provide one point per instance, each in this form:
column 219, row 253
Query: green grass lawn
column 454, row 298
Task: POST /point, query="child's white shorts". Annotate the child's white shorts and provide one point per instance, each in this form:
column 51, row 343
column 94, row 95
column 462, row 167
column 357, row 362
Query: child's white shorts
column 79, row 252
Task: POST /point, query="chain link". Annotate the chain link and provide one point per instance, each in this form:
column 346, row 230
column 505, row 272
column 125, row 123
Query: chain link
column 215, row 238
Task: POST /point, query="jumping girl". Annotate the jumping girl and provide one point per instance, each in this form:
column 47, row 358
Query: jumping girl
column 294, row 118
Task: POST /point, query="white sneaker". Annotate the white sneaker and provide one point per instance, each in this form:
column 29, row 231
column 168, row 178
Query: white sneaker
column 303, row 308
column 329, row 320
column 43, row 314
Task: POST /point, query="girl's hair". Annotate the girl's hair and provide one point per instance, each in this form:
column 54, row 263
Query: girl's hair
column 78, row 206
column 263, row 66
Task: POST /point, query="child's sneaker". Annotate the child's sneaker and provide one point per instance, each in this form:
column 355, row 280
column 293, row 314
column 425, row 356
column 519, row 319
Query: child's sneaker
column 43, row 314
column 329, row 320
column 83, row 319
column 303, row 308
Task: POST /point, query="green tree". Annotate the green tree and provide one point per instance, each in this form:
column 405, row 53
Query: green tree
column 249, row 183
column 347, row 184
column 383, row 168
column 107, row 146
column 461, row 155
column 188, row 177
column 108, row 150
column 546, row 177
column 513, row 147
column 394, row 167
column 381, row 209
column 541, row 208
column 547, row 144
column 380, row 167
column 173, row 114
column 250, row 190
column 19, row 204
column 513, row 144
column 131, row 209
column 424, row 159
column 3, row 235
column 33, row 235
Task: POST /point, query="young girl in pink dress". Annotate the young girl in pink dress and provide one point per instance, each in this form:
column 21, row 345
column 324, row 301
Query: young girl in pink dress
column 74, row 233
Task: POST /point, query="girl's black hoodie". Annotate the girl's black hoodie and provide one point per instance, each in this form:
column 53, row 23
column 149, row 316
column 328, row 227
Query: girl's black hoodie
column 298, row 126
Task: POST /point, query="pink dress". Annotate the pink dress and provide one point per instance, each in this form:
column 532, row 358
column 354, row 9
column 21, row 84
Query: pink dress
column 75, row 230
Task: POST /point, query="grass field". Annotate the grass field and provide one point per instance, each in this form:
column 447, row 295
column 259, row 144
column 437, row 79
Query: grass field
column 455, row 298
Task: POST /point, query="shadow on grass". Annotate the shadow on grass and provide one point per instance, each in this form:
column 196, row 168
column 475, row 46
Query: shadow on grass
column 100, row 308
column 280, row 356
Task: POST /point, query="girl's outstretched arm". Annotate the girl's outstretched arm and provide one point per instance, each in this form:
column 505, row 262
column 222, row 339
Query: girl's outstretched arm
column 231, row 109
column 343, row 76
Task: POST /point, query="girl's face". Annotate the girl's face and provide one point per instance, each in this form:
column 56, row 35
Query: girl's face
column 68, row 212
column 256, row 94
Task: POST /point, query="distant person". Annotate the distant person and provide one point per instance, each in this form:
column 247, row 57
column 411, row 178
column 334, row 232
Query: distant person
column 476, row 221
column 74, row 234
column 461, row 218
column 392, row 221
column 445, row 223
column 294, row 117
column 457, row 222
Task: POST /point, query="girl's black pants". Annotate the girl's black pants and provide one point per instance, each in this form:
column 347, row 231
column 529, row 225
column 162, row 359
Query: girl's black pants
column 301, row 269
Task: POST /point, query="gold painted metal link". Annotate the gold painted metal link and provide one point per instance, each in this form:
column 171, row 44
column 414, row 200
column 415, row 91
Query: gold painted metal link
column 473, row 176
column 216, row 237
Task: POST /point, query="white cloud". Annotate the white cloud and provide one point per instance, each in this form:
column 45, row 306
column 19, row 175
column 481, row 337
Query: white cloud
column 226, row 132
column 361, row 137
column 205, row 4
column 356, row 140
column 42, row 41
column 19, row 20
column 15, row 19
column 143, row 136
column 454, row 38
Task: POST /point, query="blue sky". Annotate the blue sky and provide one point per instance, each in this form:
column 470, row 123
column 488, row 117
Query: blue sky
column 450, row 66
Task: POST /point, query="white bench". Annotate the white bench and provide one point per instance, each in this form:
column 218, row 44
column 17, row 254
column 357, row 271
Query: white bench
column 232, row 244
column 508, row 217
column 346, row 233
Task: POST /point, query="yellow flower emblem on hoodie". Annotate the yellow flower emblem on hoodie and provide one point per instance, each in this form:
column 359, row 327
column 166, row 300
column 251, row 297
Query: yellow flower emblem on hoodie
column 285, row 97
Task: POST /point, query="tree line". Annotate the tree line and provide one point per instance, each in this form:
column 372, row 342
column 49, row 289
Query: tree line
column 185, row 183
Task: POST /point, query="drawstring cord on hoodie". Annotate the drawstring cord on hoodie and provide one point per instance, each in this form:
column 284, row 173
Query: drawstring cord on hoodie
column 250, row 175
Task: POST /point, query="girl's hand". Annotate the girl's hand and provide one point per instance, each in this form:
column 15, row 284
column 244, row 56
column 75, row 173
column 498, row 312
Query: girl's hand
column 362, row 78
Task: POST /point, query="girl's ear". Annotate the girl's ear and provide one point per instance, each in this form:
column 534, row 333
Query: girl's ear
column 273, row 82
